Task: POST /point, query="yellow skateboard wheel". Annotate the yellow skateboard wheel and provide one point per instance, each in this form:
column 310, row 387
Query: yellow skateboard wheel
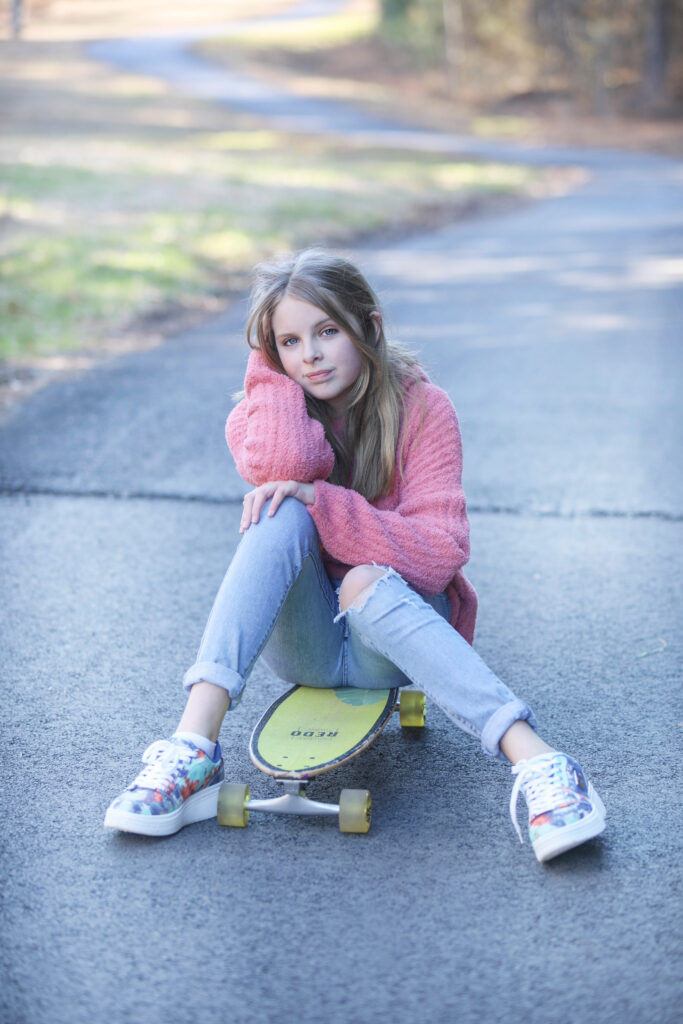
column 412, row 709
column 355, row 810
column 232, row 798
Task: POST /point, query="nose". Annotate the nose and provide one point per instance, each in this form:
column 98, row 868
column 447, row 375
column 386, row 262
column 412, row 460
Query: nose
column 311, row 349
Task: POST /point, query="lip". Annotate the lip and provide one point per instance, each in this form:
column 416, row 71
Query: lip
column 320, row 376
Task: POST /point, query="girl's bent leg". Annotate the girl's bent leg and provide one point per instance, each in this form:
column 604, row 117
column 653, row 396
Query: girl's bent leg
column 395, row 622
column 267, row 563
column 181, row 776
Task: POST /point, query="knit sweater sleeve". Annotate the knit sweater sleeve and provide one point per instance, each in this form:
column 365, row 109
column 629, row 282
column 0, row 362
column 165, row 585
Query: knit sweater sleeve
column 270, row 433
column 425, row 537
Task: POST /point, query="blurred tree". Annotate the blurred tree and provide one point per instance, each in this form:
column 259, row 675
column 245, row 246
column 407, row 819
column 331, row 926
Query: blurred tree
column 454, row 39
column 17, row 18
column 610, row 44
column 396, row 8
column 583, row 35
column 597, row 51
column 658, row 31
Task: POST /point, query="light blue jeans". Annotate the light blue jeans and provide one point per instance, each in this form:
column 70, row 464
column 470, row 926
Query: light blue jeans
column 277, row 600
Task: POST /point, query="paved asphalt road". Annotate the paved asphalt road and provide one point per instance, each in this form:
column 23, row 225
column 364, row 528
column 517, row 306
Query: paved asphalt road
column 556, row 329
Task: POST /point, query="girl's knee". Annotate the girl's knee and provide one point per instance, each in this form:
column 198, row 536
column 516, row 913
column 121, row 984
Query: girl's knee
column 358, row 584
column 291, row 519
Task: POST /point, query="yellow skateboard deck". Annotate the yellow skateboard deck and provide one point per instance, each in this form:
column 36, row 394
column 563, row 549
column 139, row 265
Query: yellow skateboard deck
column 308, row 730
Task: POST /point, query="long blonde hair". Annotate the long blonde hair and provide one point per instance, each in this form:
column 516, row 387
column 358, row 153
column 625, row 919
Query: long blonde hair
column 365, row 458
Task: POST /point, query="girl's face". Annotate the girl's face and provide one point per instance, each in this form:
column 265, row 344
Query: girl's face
column 315, row 352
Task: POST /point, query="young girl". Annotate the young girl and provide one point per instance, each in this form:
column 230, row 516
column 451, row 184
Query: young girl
column 349, row 571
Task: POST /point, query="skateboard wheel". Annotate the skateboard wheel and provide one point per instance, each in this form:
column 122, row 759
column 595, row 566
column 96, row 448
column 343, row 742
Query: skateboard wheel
column 232, row 798
column 355, row 810
column 412, row 709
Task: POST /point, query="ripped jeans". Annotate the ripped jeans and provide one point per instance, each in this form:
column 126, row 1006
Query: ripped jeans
column 276, row 600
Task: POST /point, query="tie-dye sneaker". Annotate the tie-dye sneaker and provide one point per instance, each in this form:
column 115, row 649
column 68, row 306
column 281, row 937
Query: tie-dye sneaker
column 564, row 809
column 178, row 786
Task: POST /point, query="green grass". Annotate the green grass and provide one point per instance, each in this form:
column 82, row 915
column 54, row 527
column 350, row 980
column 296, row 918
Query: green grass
column 500, row 126
column 90, row 245
column 308, row 34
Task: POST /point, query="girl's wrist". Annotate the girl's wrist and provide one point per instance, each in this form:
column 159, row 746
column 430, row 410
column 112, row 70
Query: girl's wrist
column 308, row 494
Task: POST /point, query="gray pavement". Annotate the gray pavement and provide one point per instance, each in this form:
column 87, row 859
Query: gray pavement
column 556, row 330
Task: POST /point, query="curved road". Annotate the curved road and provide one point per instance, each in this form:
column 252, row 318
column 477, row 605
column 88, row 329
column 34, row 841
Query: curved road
column 556, row 329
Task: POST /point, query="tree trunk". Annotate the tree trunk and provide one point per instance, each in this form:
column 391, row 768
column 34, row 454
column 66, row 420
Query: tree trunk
column 17, row 18
column 453, row 44
column 657, row 52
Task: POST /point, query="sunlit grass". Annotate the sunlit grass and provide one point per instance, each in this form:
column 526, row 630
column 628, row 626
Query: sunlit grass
column 226, row 141
column 54, row 290
column 307, row 34
column 89, row 245
column 500, row 126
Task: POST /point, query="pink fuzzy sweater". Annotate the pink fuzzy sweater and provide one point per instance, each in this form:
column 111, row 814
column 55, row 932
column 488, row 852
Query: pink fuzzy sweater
column 420, row 529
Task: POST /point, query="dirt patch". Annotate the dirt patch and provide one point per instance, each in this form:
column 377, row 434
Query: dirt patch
column 381, row 76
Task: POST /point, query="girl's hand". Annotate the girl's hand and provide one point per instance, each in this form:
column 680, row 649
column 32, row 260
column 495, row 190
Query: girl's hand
column 278, row 490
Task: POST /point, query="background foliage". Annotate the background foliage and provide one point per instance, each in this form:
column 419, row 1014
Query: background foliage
column 604, row 54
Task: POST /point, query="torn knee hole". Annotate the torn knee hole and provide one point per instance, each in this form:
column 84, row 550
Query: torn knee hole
column 362, row 596
column 351, row 597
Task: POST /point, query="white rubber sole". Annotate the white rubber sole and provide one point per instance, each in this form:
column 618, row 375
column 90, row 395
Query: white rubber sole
column 198, row 807
column 563, row 839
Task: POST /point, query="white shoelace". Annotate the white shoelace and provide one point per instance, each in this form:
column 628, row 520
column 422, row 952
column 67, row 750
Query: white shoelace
column 160, row 758
column 544, row 780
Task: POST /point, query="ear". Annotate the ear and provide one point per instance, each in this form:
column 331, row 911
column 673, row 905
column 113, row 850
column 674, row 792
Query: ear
column 378, row 324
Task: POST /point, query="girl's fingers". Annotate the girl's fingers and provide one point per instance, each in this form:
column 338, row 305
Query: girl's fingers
column 278, row 496
column 246, row 511
column 250, row 507
column 256, row 499
column 260, row 498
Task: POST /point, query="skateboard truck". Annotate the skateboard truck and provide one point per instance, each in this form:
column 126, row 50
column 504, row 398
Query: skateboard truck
column 294, row 801
column 235, row 804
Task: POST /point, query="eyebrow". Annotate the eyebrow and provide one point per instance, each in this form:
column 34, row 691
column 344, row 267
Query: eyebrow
column 291, row 334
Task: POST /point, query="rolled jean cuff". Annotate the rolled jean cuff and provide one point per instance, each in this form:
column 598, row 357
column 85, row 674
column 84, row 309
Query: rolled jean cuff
column 499, row 723
column 219, row 675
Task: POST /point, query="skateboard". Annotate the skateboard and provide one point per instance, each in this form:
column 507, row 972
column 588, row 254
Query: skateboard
column 308, row 731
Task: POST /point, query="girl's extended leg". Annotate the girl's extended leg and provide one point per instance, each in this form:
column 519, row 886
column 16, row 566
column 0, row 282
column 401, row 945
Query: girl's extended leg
column 521, row 742
column 271, row 556
column 390, row 624
column 276, row 573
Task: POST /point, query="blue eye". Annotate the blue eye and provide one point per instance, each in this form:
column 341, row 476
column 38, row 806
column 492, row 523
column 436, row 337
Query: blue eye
column 329, row 330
